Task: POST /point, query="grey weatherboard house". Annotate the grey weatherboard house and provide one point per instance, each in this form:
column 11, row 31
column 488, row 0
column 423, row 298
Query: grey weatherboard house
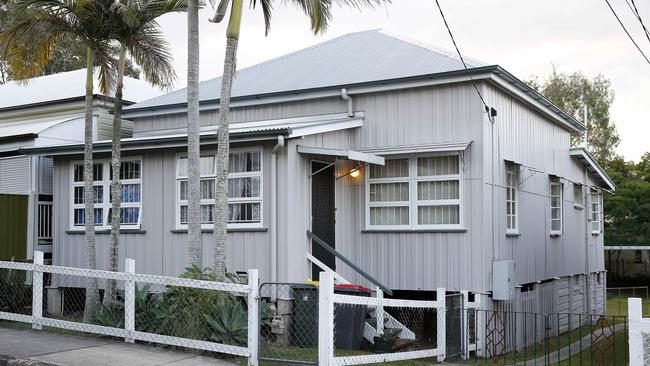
column 388, row 156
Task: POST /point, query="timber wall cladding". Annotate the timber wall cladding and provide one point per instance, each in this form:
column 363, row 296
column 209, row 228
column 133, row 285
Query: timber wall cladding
column 13, row 227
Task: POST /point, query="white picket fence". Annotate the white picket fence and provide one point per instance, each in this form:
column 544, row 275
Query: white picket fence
column 639, row 334
column 129, row 278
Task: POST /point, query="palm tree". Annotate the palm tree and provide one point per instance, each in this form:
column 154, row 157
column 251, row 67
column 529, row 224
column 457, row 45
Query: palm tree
column 319, row 12
column 137, row 31
column 36, row 28
column 194, row 255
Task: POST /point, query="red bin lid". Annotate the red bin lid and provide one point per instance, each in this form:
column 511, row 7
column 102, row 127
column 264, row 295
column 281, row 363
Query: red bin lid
column 352, row 287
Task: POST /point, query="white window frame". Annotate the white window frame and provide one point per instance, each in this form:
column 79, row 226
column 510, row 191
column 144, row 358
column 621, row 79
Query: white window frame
column 230, row 225
column 578, row 205
column 106, row 205
column 556, row 181
column 597, row 224
column 512, row 169
column 413, row 203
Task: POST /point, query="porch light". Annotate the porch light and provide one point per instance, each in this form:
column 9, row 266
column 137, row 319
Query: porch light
column 355, row 172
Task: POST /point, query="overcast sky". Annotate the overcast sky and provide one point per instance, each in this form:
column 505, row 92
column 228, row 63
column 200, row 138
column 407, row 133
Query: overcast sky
column 525, row 37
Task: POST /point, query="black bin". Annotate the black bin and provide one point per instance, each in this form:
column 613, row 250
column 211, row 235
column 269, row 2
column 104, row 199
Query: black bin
column 349, row 319
column 304, row 323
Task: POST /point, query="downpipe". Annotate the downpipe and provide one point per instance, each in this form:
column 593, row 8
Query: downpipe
column 274, row 208
column 347, row 98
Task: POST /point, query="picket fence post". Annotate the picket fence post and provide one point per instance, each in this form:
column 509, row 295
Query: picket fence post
column 441, row 297
column 379, row 310
column 37, row 291
column 253, row 316
column 325, row 319
column 635, row 342
column 129, row 301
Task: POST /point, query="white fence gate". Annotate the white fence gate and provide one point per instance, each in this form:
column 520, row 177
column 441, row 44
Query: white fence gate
column 639, row 334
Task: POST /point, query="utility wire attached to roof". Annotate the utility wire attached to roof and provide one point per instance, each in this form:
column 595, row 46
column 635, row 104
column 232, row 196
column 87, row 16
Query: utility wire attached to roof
column 626, row 31
column 491, row 112
column 637, row 15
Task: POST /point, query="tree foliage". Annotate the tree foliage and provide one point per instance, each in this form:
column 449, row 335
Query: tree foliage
column 627, row 212
column 570, row 92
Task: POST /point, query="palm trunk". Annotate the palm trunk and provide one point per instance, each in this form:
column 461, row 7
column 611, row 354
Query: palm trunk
column 92, row 293
column 194, row 249
column 220, row 235
column 116, row 183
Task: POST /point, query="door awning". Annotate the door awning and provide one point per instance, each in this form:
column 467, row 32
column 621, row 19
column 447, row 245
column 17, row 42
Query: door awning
column 344, row 154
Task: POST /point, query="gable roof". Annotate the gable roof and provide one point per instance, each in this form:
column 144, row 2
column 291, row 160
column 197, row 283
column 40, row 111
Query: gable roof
column 593, row 167
column 367, row 60
column 349, row 59
column 65, row 86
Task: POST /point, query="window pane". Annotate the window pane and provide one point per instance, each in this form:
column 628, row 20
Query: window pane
column 556, row 189
column 244, row 212
column 438, row 190
column 206, row 214
column 439, row 215
column 245, row 162
column 131, row 193
column 207, row 189
column 207, row 166
column 244, row 187
column 183, row 190
column 128, row 215
column 438, row 165
column 389, row 215
column 80, row 220
column 577, row 194
column 183, row 214
column 128, row 170
column 556, row 213
column 394, row 168
column 79, row 195
column 555, row 201
column 182, row 167
column 556, row 225
column 388, row 192
column 98, row 172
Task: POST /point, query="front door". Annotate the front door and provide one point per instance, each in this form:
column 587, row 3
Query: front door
column 323, row 214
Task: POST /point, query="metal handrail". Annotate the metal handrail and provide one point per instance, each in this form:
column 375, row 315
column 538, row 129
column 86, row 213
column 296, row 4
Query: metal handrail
column 356, row 268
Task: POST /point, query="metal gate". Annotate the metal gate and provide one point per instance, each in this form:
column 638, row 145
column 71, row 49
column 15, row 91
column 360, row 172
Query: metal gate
column 455, row 326
column 288, row 323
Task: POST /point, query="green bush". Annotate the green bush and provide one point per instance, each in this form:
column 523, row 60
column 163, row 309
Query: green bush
column 15, row 295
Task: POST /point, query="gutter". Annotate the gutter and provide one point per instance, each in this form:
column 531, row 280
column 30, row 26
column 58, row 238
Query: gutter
column 60, row 101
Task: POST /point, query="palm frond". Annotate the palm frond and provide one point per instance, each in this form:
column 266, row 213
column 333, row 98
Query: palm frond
column 105, row 62
column 267, row 11
column 151, row 52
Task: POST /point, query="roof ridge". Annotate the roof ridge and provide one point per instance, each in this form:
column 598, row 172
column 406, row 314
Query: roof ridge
column 442, row 51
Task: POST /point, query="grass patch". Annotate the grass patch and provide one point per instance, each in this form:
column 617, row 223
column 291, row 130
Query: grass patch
column 617, row 305
column 617, row 355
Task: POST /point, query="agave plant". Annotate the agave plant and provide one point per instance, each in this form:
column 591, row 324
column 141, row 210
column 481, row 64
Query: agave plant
column 230, row 324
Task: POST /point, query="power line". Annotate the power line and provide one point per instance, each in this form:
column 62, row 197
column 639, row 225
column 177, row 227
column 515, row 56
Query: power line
column 626, row 32
column 638, row 16
column 491, row 112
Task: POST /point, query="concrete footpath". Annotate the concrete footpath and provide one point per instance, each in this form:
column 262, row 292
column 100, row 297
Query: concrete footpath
column 38, row 348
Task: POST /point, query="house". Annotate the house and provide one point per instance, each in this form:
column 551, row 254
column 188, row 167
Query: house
column 628, row 264
column 46, row 111
column 381, row 148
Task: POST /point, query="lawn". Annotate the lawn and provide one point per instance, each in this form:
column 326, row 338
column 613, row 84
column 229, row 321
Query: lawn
column 617, row 355
column 617, row 305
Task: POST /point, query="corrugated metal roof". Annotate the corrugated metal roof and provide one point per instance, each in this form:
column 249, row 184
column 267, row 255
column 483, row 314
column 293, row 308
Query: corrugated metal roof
column 66, row 85
column 592, row 166
column 33, row 127
column 350, row 59
column 289, row 127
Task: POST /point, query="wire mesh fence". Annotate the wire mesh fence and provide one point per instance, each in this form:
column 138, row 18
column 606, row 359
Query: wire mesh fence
column 15, row 291
column 288, row 323
column 617, row 299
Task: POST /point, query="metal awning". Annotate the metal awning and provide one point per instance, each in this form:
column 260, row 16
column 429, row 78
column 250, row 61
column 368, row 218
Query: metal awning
column 344, row 154
column 583, row 156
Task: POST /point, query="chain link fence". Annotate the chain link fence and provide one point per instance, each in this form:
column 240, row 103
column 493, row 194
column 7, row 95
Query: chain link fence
column 288, row 323
column 193, row 311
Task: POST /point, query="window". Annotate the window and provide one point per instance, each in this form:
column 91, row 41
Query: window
column 596, row 212
column 244, row 189
column 556, row 206
column 131, row 206
column 512, row 193
column 415, row 192
column 638, row 257
column 578, row 201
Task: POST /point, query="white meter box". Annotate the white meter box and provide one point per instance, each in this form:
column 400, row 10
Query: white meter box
column 503, row 280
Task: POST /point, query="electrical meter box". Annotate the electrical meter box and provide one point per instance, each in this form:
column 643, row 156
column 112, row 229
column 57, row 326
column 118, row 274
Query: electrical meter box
column 503, row 280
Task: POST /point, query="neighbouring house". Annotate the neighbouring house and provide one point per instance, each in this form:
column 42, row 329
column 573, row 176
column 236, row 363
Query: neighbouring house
column 43, row 112
column 381, row 148
column 628, row 264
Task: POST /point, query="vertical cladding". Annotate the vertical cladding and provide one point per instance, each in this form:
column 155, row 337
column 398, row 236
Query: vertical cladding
column 14, row 175
column 522, row 135
column 157, row 248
